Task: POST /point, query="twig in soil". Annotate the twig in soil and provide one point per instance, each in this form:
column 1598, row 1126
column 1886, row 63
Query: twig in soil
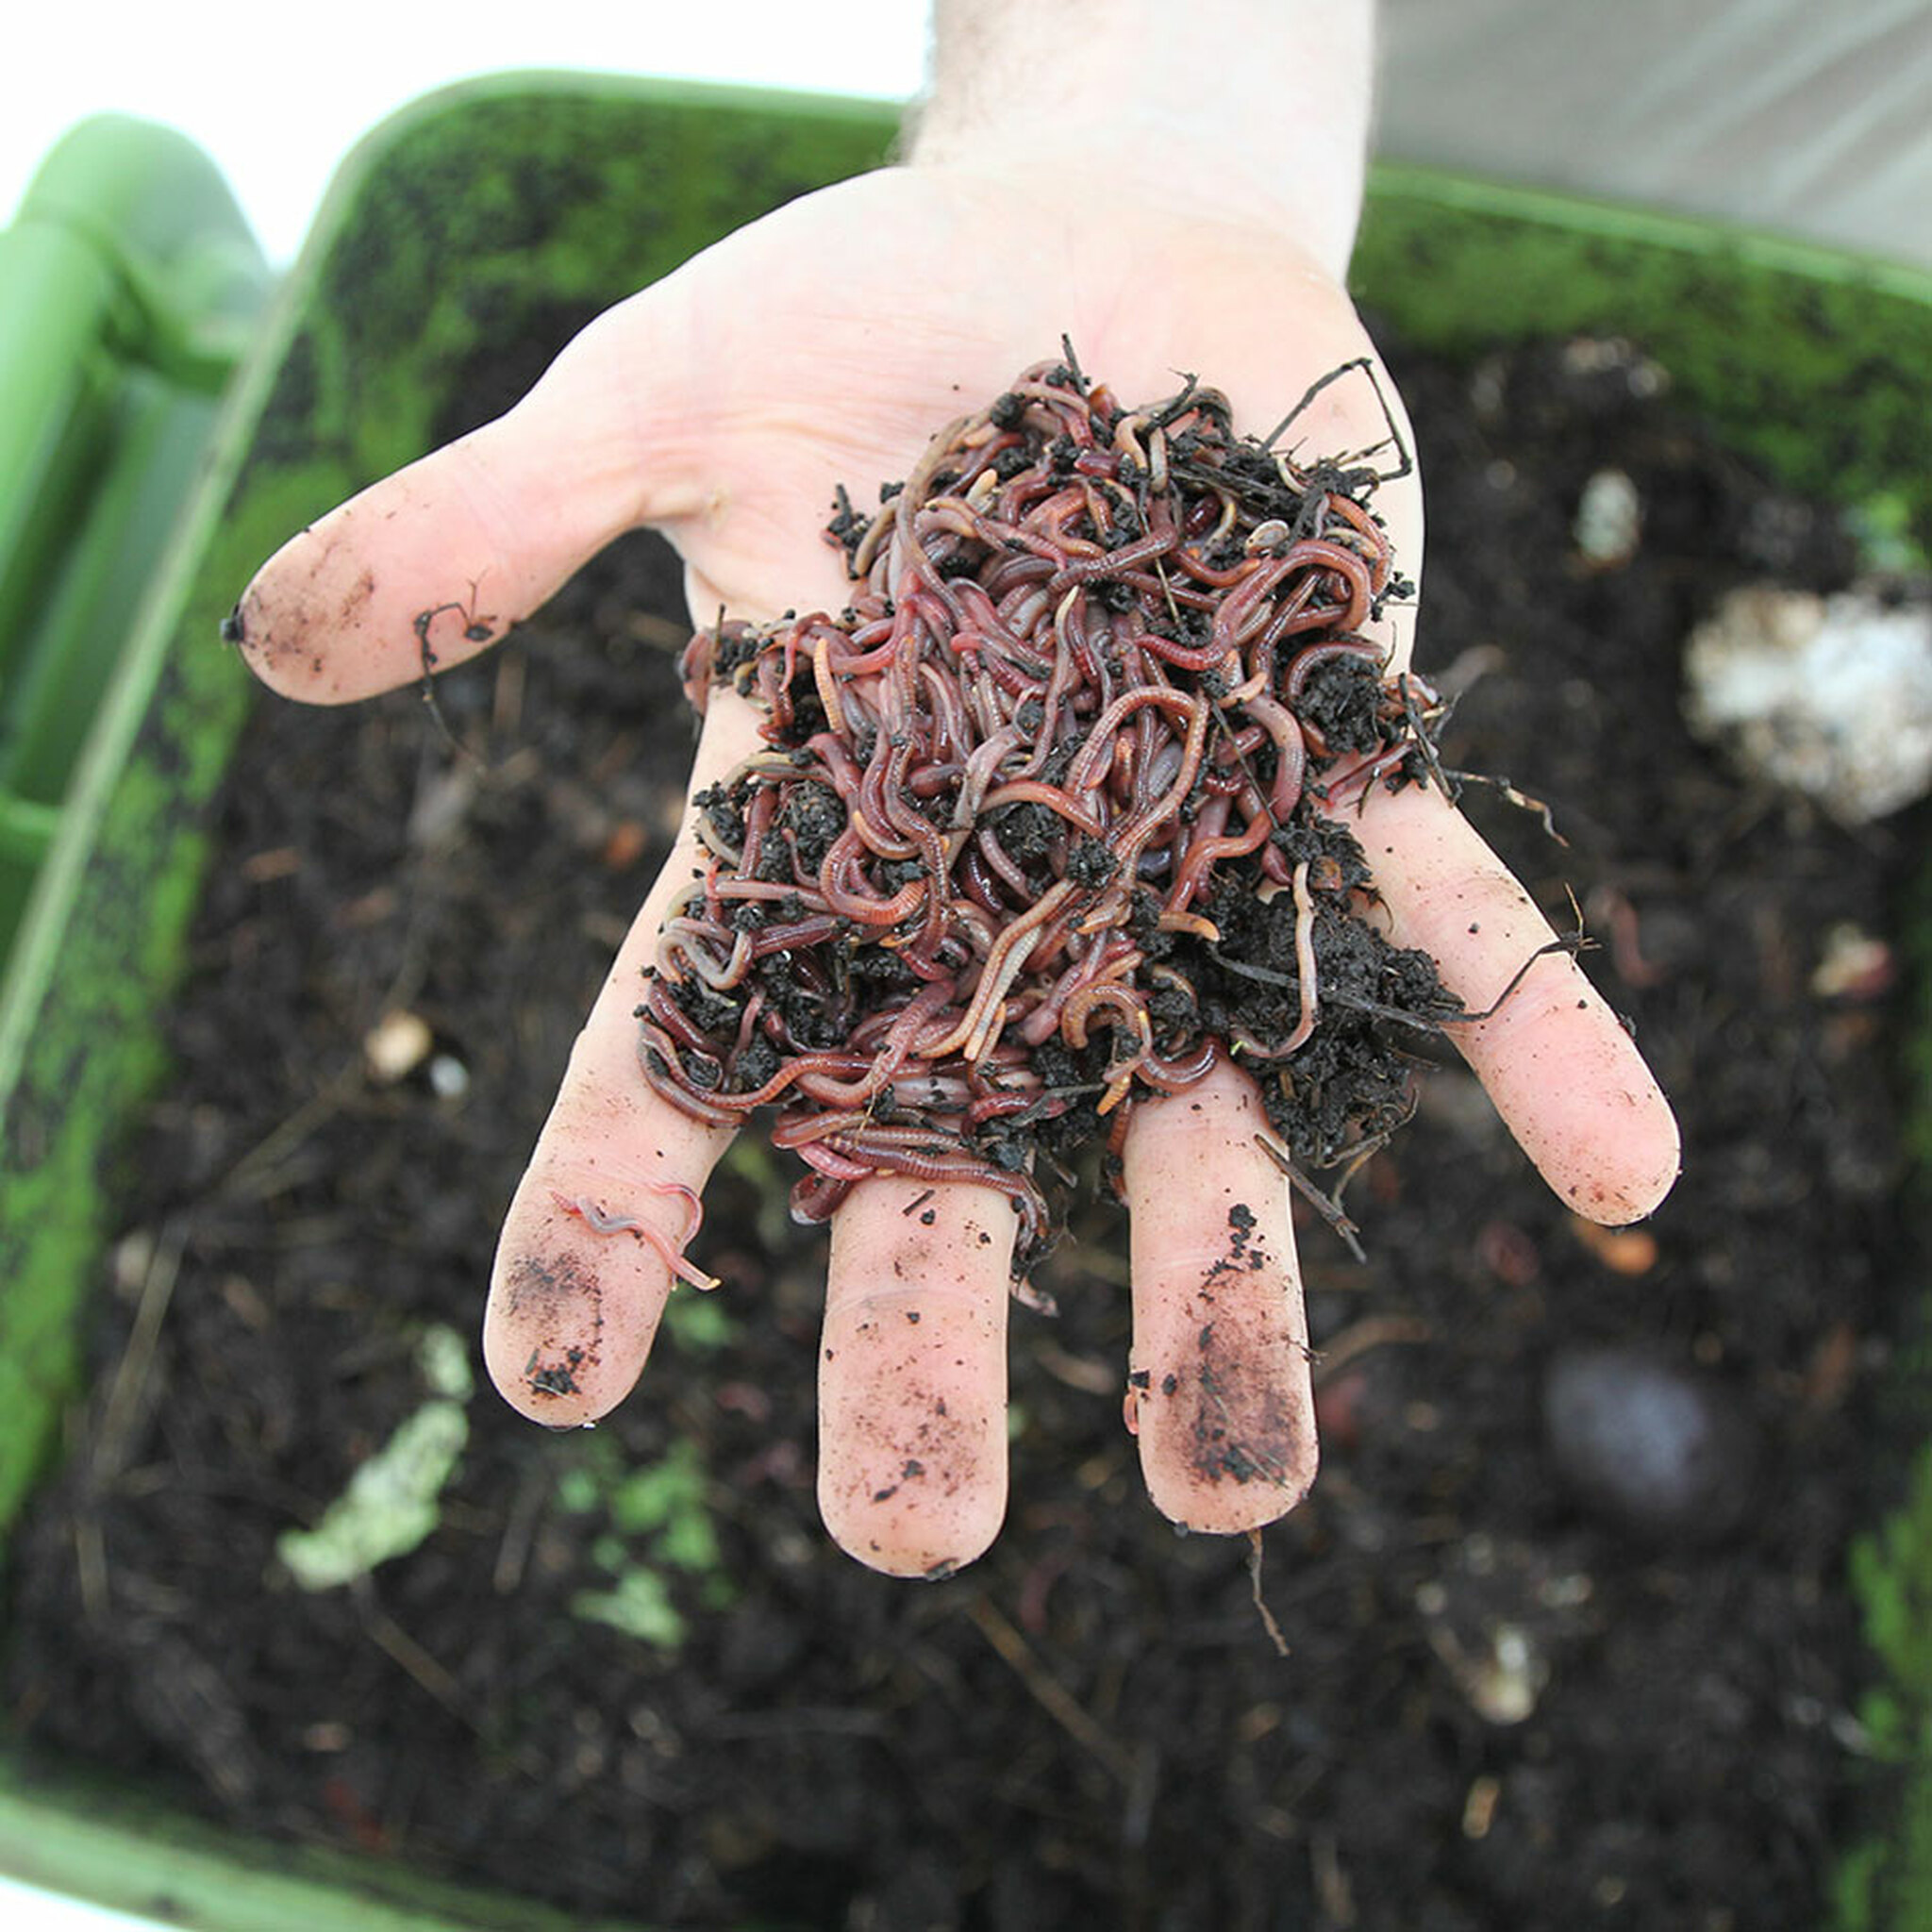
column 797, row 1720
column 1332, row 1889
column 659, row 633
column 124, row 1394
column 1440, row 1022
column 1510, row 795
column 252, row 1175
column 404, row 1649
column 1571, row 943
column 1366, row 364
column 1051, row 1695
column 90, row 1565
column 476, row 630
column 1352, row 1160
column 1371, row 1332
column 1268, row 1622
column 1136, row 1814
column 1425, row 733
column 436, row 1681
column 520, row 1527
column 1077, row 1371
column 507, row 697
column 1328, row 1206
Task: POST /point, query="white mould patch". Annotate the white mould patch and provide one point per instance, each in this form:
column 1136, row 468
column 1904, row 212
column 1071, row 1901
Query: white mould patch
column 1830, row 697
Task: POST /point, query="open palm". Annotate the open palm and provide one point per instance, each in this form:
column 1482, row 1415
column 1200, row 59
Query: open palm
column 724, row 405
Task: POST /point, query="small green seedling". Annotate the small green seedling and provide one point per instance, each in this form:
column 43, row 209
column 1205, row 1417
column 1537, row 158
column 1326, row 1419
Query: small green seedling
column 656, row 1524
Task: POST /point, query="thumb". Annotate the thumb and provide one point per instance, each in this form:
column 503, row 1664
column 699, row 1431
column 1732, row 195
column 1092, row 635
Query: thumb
column 432, row 564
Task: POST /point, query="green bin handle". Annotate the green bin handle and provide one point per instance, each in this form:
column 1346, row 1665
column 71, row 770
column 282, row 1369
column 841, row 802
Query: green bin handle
column 133, row 283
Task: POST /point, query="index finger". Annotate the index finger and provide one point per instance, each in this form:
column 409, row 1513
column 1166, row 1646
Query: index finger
column 1557, row 1064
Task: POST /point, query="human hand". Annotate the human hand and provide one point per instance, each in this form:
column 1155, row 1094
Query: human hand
column 724, row 405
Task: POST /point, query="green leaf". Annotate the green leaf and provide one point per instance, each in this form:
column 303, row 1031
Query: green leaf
column 388, row 1507
column 640, row 1606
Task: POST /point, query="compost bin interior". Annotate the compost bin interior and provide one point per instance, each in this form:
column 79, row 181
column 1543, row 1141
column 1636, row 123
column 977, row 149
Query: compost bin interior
column 1501, row 1705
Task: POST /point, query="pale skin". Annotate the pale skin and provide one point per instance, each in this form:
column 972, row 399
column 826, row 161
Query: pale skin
column 823, row 345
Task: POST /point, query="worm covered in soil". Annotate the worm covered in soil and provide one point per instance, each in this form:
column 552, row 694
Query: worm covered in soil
column 1052, row 817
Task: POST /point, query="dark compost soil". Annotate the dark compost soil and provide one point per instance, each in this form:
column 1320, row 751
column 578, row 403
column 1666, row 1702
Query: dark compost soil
column 1509, row 1702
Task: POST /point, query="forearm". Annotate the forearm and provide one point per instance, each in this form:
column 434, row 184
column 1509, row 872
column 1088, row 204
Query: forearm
column 1254, row 110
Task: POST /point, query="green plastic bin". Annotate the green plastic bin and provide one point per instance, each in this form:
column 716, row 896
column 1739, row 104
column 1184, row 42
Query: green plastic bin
column 133, row 286
column 133, row 289
column 498, row 202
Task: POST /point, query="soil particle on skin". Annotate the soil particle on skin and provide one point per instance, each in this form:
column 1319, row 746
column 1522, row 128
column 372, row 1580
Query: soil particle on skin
column 947, row 1453
column 554, row 1378
column 1244, row 1253
column 825, row 1746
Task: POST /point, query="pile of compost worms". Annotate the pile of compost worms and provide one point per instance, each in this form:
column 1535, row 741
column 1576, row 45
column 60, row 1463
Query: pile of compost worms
column 1035, row 831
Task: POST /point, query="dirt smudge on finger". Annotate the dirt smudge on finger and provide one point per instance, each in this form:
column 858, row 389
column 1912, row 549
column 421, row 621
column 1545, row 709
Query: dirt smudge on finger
column 1239, row 1396
column 921, row 1440
column 559, row 1302
column 1244, row 1427
column 314, row 598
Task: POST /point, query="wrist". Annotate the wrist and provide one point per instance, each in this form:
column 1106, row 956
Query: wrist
column 1253, row 115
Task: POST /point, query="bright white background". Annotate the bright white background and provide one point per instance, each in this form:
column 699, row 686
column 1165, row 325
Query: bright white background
column 278, row 95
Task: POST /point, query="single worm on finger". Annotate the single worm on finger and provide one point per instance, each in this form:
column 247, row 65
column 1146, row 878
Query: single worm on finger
column 673, row 1257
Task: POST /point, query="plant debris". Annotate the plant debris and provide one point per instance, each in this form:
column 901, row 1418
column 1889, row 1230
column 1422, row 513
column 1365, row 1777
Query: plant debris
column 1048, row 817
